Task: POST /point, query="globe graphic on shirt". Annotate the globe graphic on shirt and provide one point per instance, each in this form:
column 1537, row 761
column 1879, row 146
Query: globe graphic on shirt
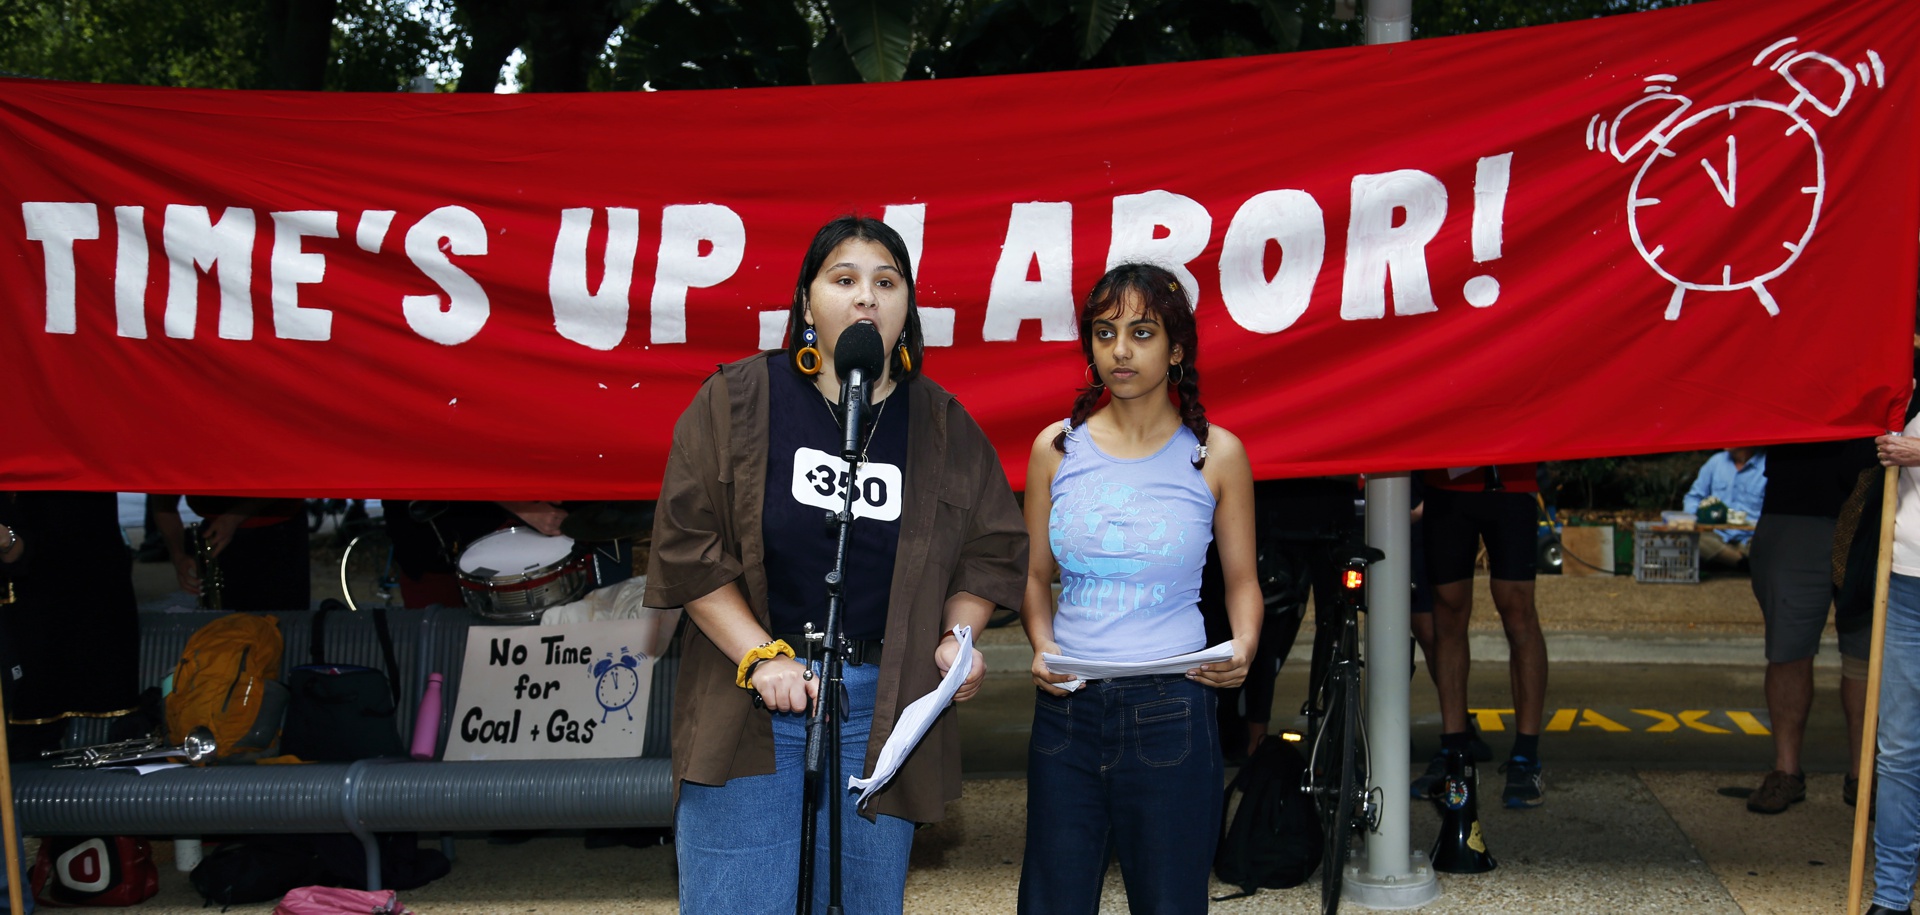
column 1106, row 533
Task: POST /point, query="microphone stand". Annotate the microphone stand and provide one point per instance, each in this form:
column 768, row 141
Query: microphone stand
column 823, row 720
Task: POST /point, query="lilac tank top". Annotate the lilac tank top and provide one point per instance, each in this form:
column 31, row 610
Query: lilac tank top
column 1130, row 537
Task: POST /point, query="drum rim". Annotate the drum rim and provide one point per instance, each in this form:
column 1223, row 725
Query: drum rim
column 521, row 581
column 526, row 581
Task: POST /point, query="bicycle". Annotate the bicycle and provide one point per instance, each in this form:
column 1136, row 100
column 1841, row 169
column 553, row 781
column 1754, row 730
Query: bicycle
column 1337, row 772
column 368, row 575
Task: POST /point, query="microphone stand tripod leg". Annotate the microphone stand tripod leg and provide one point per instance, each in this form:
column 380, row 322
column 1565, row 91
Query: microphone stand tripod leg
column 810, row 796
column 837, row 709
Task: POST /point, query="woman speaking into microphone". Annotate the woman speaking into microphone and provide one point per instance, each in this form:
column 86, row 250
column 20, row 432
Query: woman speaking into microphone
column 740, row 540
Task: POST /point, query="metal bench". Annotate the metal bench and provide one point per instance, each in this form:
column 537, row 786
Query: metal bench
column 361, row 798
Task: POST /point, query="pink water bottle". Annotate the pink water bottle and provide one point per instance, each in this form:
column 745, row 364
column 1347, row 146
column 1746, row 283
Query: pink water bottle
column 426, row 726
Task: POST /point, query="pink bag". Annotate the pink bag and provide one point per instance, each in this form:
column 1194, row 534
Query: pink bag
column 336, row 900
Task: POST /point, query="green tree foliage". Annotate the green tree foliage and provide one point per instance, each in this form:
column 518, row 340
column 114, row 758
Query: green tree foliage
column 353, row 45
column 714, row 44
column 199, row 43
column 383, row 45
column 1459, row 17
column 564, row 40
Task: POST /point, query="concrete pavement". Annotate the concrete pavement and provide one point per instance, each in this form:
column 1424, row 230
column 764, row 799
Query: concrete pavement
column 1649, row 681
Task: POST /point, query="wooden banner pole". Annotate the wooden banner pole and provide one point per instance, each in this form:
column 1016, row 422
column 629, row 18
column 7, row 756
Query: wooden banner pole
column 1863, row 810
column 11, row 843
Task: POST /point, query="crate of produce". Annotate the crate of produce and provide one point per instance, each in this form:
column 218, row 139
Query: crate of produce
column 1665, row 556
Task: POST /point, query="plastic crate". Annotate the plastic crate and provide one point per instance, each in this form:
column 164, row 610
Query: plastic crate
column 1665, row 557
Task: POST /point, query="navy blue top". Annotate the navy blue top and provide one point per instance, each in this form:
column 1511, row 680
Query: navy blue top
column 806, row 481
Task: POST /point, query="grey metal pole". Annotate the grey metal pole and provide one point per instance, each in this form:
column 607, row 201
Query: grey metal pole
column 1389, row 21
column 1391, row 876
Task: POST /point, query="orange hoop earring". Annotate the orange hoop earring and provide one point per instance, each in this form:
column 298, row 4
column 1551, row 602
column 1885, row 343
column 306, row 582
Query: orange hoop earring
column 906, row 359
column 806, row 359
column 1093, row 377
column 1183, row 373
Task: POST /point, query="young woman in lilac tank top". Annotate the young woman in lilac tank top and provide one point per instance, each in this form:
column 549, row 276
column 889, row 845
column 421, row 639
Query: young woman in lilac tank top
column 1122, row 501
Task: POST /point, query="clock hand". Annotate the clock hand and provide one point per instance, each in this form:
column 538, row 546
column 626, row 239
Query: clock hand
column 1729, row 187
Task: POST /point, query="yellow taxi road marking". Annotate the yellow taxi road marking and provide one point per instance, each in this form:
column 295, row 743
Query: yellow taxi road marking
column 1661, row 722
column 1665, row 722
column 1563, row 721
column 1747, row 723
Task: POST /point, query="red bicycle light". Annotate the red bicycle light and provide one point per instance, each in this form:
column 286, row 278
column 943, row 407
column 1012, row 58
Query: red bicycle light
column 1354, row 580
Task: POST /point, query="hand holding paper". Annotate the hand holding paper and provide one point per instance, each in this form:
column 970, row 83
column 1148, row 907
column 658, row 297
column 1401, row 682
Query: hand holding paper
column 1101, row 670
column 915, row 719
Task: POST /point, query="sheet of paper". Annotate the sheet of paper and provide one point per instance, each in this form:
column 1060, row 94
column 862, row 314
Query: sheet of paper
column 915, row 719
column 1102, row 670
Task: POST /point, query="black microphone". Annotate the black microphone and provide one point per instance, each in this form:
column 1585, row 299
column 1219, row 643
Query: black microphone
column 857, row 359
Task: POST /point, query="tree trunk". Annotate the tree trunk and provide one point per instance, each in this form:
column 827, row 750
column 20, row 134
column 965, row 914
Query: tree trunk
column 565, row 40
column 297, row 40
column 494, row 28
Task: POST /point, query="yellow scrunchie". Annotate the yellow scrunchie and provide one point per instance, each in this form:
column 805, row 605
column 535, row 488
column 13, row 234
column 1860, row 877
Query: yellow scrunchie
column 777, row 648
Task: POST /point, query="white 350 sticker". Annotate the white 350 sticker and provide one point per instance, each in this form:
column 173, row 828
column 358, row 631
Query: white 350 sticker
column 820, row 480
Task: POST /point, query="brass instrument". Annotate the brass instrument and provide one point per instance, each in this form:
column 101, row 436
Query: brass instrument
column 206, row 566
column 198, row 747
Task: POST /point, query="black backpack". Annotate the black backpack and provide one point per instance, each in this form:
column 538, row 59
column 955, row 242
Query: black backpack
column 1269, row 835
column 256, row 869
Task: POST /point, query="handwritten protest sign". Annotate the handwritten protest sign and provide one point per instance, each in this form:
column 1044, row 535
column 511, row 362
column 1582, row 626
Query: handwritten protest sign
column 553, row 692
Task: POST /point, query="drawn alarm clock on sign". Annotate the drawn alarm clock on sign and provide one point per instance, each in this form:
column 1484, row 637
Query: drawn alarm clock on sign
column 617, row 682
column 1727, row 198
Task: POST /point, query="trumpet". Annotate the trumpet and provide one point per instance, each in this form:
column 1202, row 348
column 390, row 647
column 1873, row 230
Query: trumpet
column 198, row 747
column 206, row 566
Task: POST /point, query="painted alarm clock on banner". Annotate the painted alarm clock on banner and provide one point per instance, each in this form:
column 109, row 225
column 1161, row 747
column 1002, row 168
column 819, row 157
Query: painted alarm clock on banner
column 1728, row 197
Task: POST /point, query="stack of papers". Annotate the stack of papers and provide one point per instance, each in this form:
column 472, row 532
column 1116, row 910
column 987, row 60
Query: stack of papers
column 1103, row 670
column 915, row 719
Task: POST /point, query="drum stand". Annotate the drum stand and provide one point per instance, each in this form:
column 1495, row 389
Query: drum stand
column 823, row 719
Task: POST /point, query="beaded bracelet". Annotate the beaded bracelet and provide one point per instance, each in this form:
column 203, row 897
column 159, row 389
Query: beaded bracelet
column 766, row 651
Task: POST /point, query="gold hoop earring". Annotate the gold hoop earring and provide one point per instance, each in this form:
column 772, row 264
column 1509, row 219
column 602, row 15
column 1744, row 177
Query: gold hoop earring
column 906, row 359
column 806, row 359
column 1183, row 373
column 1093, row 377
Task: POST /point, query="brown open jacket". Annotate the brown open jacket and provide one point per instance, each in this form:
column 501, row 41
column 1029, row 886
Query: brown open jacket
column 960, row 531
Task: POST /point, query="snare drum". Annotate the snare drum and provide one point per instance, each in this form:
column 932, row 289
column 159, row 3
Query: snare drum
column 511, row 575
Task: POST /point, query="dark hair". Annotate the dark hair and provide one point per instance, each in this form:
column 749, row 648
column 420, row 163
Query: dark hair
column 830, row 237
column 1158, row 291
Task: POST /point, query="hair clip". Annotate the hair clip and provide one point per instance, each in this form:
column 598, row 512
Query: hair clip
column 1173, row 287
column 1199, row 452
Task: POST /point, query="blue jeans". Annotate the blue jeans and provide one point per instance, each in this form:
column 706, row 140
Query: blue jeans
column 738, row 844
column 1896, row 825
column 1129, row 768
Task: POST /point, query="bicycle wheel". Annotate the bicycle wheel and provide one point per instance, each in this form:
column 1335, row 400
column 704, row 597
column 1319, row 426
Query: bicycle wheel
column 366, row 571
column 1344, row 783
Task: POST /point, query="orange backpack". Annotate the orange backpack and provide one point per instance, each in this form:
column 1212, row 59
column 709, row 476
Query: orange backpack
column 228, row 681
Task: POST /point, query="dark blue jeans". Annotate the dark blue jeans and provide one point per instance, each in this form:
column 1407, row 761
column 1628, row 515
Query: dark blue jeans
column 1128, row 768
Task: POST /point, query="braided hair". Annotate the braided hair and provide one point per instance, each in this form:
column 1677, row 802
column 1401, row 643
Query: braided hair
column 1161, row 299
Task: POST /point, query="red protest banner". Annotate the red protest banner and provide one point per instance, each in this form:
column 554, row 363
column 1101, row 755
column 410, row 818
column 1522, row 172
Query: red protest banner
column 1670, row 230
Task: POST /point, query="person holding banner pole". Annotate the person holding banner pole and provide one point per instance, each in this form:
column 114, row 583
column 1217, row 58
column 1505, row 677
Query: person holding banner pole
column 740, row 540
column 1896, row 827
column 1123, row 498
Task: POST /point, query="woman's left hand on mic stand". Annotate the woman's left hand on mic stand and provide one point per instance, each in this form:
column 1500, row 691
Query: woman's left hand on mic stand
column 785, row 685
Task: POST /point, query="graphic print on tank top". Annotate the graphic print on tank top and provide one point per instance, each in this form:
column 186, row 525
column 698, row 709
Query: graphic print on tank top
column 1109, row 538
